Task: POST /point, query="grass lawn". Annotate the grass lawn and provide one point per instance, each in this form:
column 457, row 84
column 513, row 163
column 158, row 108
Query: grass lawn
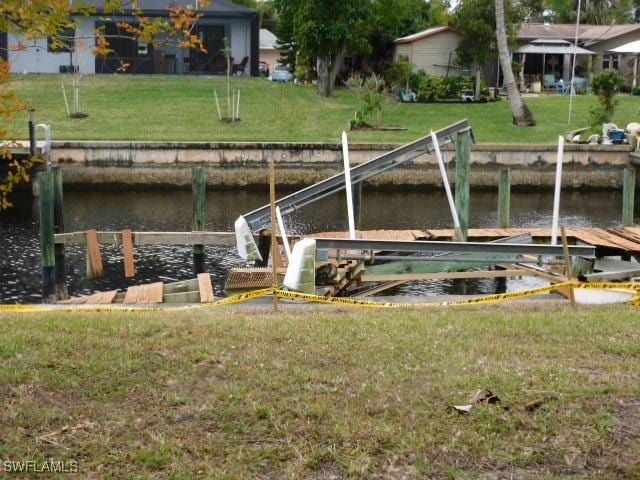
column 325, row 394
column 165, row 108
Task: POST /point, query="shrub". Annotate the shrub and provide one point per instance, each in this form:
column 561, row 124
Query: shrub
column 398, row 74
column 446, row 88
column 373, row 100
column 606, row 86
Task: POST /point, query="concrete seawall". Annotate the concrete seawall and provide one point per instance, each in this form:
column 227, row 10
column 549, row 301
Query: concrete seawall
column 243, row 165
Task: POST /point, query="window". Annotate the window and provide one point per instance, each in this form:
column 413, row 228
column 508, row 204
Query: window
column 610, row 62
column 63, row 42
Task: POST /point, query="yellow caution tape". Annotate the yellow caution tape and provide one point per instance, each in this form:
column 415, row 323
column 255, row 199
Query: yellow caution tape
column 330, row 300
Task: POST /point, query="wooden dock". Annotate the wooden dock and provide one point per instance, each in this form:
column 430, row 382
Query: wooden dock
column 608, row 241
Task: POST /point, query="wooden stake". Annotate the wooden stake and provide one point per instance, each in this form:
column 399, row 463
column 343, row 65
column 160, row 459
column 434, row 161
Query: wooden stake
column 274, row 244
column 504, row 198
column 628, row 196
column 567, row 265
column 198, row 186
column 47, row 238
column 94, row 260
column 127, row 253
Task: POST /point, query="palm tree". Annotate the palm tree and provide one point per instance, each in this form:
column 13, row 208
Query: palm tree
column 521, row 114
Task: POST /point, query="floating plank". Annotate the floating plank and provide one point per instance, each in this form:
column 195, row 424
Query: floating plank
column 151, row 293
column 127, row 253
column 98, row 298
column 205, row 288
column 132, row 294
column 94, row 260
column 153, row 238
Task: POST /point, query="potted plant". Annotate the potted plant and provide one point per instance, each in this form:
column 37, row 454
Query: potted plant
column 405, row 68
column 536, row 84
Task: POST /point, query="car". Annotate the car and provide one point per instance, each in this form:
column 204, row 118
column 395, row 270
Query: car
column 467, row 96
column 263, row 68
column 281, row 74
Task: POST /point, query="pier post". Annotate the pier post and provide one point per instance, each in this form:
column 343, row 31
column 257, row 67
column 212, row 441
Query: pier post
column 32, row 133
column 198, row 186
column 628, row 196
column 47, row 239
column 58, row 226
column 356, row 189
column 504, row 198
column 463, row 161
column 264, row 247
column 274, row 240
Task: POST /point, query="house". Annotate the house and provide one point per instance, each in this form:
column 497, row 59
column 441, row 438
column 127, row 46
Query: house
column 220, row 19
column 598, row 40
column 269, row 51
column 432, row 50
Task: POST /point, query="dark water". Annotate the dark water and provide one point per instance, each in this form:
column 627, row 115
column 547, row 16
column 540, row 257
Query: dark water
column 171, row 211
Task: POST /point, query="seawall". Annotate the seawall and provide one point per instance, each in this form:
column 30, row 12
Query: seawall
column 94, row 164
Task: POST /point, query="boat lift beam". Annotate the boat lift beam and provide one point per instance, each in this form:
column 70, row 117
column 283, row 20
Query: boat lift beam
column 323, row 245
column 261, row 217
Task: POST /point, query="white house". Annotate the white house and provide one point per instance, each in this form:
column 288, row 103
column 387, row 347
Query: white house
column 432, row 50
column 220, row 19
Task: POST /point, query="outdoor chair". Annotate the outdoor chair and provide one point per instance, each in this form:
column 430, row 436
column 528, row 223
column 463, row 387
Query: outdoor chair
column 549, row 81
column 241, row 67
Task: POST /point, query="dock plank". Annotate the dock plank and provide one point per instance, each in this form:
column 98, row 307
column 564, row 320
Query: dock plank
column 94, row 260
column 205, row 288
column 132, row 294
column 127, row 253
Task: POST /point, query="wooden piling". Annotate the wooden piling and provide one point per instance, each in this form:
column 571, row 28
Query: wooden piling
column 198, row 186
column 47, row 237
column 504, row 198
column 58, row 223
column 463, row 161
column 32, row 133
column 356, row 190
column 264, row 247
column 274, row 244
column 567, row 265
column 628, row 196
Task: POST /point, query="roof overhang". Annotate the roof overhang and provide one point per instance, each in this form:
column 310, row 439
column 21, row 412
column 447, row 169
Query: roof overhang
column 553, row 48
column 631, row 47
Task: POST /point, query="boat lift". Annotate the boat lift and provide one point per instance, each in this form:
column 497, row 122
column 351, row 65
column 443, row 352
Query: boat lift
column 252, row 222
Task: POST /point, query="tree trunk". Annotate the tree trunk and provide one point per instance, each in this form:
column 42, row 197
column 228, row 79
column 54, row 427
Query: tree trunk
column 478, row 82
column 521, row 114
column 328, row 70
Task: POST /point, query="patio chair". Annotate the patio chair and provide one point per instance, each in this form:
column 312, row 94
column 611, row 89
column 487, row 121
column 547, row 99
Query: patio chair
column 241, row 67
column 549, row 81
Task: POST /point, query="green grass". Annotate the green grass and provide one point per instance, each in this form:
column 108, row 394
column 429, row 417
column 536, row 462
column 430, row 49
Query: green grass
column 335, row 393
column 167, row 108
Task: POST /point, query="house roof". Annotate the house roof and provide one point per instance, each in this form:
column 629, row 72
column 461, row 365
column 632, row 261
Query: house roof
column 268, row 41
column 550, row 46
column 215, row 8
column 424, row 34
column 589, row 34
column 631, row 47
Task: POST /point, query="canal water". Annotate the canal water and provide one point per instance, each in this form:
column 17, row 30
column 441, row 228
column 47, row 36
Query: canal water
column 171, row 211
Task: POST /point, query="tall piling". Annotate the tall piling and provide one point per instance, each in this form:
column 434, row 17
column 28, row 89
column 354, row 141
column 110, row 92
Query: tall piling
column 198, row 186
column 32, row 133
column 463, row 162
column 47, row 238
column 264, row 247
column 58, row 226
column 356, row 190
column 274, row 240
column 504, row 198
column 628, row 196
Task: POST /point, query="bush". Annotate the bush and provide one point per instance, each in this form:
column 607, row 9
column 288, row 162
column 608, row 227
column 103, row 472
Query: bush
column 373, row 100
column 446, row 88
column 606, row 86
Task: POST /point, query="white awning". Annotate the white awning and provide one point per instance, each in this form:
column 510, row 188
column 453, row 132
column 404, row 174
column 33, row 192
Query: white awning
column 633, row 47
column 553, row 49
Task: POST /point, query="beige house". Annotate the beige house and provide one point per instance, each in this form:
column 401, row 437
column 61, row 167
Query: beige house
column 599, row 39
column 269, row 51
column 432, row 50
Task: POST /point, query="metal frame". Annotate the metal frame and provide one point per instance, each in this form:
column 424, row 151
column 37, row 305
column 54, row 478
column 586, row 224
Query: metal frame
column 324, row 244
column 260, row 217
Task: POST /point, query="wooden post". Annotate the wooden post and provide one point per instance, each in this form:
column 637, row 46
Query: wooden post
column 47, row 239
column 357, row 204
column 463, row 161
column 198, row 186
column 274, row 240
column 567, row 264
column 264, row 247
column 504, row 198
column 32, row 133
column 58, row 222
column 628, row 196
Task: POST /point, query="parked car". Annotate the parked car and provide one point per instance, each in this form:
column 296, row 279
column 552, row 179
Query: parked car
column 263, row 68
column 281, row 74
